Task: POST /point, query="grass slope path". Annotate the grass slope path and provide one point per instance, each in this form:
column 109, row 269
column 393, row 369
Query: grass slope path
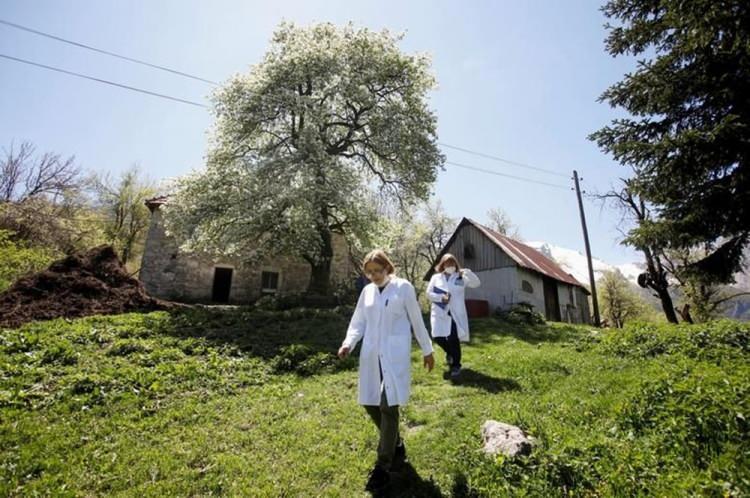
column 253, row 403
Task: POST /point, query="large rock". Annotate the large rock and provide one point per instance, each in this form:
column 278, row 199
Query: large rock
column 506, row 439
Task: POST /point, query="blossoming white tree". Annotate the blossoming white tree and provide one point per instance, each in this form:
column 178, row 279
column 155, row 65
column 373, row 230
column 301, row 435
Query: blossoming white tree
column 329, row 119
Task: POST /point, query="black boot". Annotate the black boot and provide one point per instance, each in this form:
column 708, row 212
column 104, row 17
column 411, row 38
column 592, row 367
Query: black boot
column 378, row 479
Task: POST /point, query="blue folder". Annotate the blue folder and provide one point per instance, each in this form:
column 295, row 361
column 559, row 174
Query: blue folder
column 438, row 290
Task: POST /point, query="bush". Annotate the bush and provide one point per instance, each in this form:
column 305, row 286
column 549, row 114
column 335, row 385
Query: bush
column 521, row 313
column 569, row 471
column 304, row 361
column 18, row 259
column 125, row 347
column 60, row 352
column 719, row 340
column 696, row 411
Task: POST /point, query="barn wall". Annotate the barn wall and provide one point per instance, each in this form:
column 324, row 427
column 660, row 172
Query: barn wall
column 498, row 288
column 487, row 256
column 535, row 298
column 573, row 303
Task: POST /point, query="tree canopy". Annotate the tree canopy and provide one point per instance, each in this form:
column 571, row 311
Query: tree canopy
column 688, row 134
column 329, row 119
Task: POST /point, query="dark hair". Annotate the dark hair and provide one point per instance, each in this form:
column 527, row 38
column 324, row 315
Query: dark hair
column 447, row 257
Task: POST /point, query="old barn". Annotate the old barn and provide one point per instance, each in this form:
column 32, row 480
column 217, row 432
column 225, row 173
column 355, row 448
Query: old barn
column 513, row 273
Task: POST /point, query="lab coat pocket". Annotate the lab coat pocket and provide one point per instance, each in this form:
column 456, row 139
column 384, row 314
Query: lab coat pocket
column 395, row 306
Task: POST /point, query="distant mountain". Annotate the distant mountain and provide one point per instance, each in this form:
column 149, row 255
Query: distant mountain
column 574, row 262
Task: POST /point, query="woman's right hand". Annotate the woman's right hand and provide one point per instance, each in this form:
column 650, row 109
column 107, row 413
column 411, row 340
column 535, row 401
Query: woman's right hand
column 343, row 352
column 446, row 298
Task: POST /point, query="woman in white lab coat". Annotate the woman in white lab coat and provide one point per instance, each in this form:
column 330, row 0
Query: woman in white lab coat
column 448, row 318
column 386, row 313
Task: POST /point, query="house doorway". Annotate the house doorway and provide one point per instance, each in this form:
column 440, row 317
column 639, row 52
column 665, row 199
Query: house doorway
column 551, row 300
column 222, row 285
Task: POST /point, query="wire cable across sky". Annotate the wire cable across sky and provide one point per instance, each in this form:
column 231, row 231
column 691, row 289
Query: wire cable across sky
column 106, row 82
column 214, row 83
column 106, row 52
column 197, row 104
column 211, row 82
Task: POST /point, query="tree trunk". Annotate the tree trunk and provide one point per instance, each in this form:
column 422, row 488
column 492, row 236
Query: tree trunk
column 320, row 279
column 685, row 313
column 320, row 263
column 320, row 266
column 658, row 282
column 666, row 304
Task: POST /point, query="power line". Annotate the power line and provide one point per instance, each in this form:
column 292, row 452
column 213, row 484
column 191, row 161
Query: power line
column 497, row 173
column 106, row 52
column 500, row 159
column 187, row 75
column 107, row 82
column 176, row 99
column 198, row 78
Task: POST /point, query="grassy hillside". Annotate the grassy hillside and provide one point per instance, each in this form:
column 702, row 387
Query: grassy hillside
column 253, row 403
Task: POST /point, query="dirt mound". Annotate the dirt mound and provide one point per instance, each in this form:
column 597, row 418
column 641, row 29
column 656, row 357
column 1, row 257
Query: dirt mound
column 88, row 283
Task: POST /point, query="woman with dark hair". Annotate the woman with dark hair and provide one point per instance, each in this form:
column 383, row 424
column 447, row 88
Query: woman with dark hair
column 448, row 318
column 386, row 313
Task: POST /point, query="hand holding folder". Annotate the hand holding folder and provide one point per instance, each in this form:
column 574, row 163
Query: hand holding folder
column 438, row 290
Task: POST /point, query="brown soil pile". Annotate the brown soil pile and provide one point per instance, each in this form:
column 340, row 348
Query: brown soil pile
column 88, row 283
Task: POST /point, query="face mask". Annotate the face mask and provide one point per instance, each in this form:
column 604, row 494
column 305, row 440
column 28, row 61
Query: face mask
column 450, row 270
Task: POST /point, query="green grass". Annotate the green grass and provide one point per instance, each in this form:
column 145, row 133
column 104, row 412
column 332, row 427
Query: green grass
column 253, row 403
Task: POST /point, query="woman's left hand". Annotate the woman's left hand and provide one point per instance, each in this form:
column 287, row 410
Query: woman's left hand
column 429, row 362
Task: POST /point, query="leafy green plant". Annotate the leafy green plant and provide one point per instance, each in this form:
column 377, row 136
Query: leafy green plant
column 18, row 259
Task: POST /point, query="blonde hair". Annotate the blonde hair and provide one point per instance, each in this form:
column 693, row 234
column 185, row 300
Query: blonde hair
column 379, row 256
column 447, row 257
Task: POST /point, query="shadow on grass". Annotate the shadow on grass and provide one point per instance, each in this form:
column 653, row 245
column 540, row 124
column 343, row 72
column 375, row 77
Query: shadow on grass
column 406, row 483
column 259, row 333
column 303, row 341
column 492, row 385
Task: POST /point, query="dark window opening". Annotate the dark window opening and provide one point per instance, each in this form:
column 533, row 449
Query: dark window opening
column 468, row 251
column 222, row 285
column 526, row 287
column 269, row 282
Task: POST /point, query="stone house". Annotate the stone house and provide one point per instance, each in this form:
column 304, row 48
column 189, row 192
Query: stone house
column 168, row 273
column 513, row 273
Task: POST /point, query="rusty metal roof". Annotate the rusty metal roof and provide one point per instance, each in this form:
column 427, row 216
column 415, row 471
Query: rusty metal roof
column 527, row 257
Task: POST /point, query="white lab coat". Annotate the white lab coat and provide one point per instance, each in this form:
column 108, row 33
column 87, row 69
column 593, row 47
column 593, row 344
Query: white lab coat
column 440, row 321
column 384, row 321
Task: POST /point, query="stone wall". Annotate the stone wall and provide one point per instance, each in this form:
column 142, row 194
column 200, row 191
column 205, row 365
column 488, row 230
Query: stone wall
column 169, row 273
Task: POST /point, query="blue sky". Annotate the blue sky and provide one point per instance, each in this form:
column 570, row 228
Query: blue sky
column 517, row 80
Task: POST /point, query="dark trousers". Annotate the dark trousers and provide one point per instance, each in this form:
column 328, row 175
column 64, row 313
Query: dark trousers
column 451, row 345
column 385, row 419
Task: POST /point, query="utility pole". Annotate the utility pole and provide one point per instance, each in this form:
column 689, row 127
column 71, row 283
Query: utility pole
column 594, row 299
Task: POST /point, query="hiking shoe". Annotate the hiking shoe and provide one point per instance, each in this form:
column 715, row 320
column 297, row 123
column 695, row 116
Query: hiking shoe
column 455, row 372
column 378, row 479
